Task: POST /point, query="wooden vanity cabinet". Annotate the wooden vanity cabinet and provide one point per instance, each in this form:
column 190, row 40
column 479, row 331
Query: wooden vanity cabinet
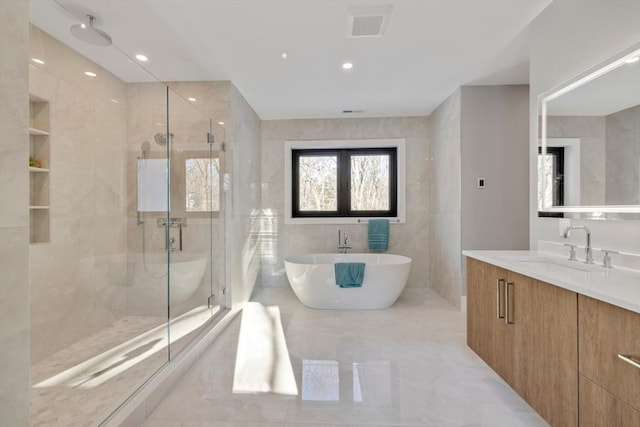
column 526, row 331
column 609, row 385
column 599, row 408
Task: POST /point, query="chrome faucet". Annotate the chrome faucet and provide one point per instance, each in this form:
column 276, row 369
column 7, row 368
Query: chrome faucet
column 587, row 250
column 343, row 247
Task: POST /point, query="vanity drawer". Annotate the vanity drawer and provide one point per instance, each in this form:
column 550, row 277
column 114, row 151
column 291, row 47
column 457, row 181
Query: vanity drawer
column 605, row 332
column 600, row 408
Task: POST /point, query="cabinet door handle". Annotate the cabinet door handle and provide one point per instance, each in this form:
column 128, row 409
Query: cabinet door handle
column 629, row 359
column 507, row 318
column 499, row 283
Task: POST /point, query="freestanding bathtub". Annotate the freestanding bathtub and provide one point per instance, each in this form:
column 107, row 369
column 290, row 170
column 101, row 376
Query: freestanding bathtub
column 312, row 278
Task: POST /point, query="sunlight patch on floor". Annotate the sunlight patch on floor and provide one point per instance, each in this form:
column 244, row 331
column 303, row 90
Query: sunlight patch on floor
column 262, row 360
column 101, row 368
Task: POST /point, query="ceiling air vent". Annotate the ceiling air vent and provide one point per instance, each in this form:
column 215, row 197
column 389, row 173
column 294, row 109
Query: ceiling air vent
column 368, row 22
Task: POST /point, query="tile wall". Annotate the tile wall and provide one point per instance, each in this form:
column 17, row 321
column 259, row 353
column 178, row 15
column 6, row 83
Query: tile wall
column 280, row 240
column 78, row 277
column 14, row 213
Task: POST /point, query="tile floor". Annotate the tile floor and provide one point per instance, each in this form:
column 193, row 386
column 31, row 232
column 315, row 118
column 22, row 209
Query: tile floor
column 404, row 366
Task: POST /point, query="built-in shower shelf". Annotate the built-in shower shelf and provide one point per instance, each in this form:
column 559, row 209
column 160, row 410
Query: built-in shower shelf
column 39, row 150
column 38, row 132
column 32, row 169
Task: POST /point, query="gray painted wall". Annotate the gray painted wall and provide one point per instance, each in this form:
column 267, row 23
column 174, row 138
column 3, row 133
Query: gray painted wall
column 495, row 146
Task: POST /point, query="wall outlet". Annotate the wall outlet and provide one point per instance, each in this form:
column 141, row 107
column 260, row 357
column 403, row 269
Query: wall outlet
column 562, row 225
column 481, row 182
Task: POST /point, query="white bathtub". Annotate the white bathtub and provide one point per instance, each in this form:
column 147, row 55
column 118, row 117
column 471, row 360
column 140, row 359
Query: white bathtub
column 312, row 278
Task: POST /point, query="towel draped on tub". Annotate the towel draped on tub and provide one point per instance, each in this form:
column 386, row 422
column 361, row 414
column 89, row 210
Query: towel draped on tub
column 349, row 274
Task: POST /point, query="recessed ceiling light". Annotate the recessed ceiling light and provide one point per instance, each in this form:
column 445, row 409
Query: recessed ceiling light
column 141, row 57
column 632, row 59
column 347, row 65
column 90, row 73
column 221, row 123
column 284, row 55
column 38, row 61
column 115, row 101
column 192, row 99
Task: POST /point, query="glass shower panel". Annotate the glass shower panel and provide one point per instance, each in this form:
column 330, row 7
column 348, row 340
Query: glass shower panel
column 99, row 276
column 194, row 219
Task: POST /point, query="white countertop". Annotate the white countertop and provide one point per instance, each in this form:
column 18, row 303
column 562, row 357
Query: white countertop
column 617, row 286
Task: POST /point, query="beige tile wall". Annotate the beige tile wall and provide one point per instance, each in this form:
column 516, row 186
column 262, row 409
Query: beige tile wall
column 74, row 292
column 410, row 239
column 14, row 213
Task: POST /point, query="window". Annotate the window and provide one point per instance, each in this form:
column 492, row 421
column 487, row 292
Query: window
column 344, row 182
column 202, row 185
column 551, row 170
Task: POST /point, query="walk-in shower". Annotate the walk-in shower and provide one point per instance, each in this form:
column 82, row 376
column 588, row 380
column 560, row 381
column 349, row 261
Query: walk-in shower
column 111, row 302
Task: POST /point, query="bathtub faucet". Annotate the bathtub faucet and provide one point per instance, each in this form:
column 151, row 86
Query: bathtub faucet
column 343, row 247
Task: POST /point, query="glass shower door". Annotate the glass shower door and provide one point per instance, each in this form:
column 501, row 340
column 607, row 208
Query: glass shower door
column 193, row 226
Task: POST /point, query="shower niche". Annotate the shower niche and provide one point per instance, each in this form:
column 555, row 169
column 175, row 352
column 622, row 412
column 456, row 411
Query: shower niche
column 39, row 154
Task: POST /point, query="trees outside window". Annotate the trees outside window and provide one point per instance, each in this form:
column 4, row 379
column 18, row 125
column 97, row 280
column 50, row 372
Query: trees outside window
column 344, row 182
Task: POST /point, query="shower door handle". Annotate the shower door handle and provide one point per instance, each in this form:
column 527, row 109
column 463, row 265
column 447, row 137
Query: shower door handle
column 180, row 236
column 178, row 223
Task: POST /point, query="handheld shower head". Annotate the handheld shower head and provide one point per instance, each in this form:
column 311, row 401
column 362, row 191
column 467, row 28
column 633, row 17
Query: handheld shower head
column 145, row 147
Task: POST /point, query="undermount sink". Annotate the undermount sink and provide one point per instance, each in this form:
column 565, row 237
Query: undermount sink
column 559, row 266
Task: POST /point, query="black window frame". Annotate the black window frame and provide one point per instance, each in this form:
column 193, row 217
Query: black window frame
column 343, row 156
column 558, row 178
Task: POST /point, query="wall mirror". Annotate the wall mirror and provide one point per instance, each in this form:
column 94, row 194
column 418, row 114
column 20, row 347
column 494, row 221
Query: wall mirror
column 589, row 152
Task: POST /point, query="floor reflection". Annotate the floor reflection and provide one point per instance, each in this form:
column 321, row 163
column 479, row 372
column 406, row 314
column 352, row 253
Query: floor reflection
column 366, row 382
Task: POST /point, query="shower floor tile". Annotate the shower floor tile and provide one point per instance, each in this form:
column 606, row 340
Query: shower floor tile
column 89, row 402
column 408, row 365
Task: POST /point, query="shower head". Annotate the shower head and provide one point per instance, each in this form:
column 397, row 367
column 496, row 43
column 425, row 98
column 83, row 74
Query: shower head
column 90, row 34
column 161, row 138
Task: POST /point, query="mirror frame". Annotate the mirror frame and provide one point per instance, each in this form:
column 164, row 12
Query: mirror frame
column 590, row 74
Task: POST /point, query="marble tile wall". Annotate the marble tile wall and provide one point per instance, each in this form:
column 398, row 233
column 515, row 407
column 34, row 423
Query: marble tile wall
column 244, row 159
column 444, row 208
column 280, row 240
column 76, row 278
column 623, row 157
column 14, row 214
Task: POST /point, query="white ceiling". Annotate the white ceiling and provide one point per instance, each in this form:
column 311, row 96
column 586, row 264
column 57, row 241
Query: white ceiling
column 431, row 47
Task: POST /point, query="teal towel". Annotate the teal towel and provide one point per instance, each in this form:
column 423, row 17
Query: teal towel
column 349, row 274
column 378, row 234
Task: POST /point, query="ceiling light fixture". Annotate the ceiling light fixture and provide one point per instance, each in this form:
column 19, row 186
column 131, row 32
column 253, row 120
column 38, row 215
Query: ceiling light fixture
column 632, row 60
column 192, row 99
column 90, row 73
column 221, row 123
column 38, row 61
column 141, row 57
column 284, row 55
column 90, row 34
column 347, row 66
